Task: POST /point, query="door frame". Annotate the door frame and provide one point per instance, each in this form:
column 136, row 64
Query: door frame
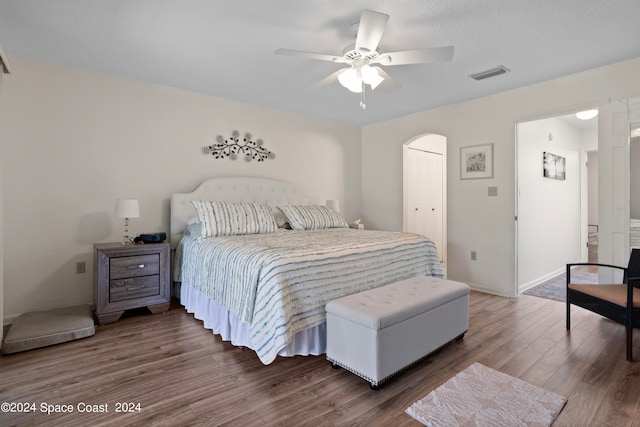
column 434, row 143
column 520, row 287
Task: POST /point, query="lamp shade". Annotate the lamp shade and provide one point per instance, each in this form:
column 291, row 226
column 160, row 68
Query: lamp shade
column 127, row 208
column 371, row 76
column 351, row 79
column 333, row 204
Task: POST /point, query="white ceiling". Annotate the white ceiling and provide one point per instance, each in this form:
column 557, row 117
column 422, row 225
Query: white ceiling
column 225, row 48
column 582, row 125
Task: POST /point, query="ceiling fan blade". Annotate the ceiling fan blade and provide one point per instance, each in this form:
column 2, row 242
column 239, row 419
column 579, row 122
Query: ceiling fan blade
column 309, row 55
column 388, row 84
column 370, row 30
column 332, row 78
column 418, row 56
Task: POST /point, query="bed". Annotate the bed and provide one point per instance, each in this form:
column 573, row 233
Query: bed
column 265, row 287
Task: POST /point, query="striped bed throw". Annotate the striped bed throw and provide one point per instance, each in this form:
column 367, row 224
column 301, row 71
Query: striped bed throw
column 279, row 282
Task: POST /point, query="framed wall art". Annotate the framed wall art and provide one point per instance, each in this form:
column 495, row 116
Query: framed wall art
column 553, row 166
column 476, row 161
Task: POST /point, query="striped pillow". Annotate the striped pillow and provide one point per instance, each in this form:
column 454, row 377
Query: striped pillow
column 231, row 218
column 312, row 217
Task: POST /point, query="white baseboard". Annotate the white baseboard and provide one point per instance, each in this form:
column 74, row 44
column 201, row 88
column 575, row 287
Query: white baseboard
column 541, row 279
column 481, row 288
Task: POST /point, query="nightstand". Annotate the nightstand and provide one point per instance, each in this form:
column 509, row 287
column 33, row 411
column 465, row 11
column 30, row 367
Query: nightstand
column 130, row 276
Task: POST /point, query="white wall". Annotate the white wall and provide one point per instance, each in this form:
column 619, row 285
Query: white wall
column 549, row 228
column 76, row 141
column 476, row 221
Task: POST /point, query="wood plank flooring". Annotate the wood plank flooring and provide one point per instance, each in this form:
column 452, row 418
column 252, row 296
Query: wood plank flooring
column 182, row 375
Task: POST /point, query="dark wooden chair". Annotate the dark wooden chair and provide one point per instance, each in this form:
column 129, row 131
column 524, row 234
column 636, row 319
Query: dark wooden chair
column 618, row 302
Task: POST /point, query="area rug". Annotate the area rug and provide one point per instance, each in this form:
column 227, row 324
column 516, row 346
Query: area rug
column 556, row 287
column 481, row 396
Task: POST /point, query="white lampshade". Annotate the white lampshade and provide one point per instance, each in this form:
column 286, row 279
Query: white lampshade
column 351, row 79
column 127, row 208
column 333, row 204
column 371, row 76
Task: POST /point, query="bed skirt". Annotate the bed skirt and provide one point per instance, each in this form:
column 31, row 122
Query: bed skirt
column 310, row 342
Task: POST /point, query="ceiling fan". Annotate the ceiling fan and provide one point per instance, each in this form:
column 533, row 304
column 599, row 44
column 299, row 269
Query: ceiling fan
column 362, row 58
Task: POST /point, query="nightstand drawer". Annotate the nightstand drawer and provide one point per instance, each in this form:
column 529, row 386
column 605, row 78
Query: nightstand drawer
column 134, row 266
column 138, row 287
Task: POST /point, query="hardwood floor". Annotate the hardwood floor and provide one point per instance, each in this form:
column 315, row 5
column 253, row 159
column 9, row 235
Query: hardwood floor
column 181, row 374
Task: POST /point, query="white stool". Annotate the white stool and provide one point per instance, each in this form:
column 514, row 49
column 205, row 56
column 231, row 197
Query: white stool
column 380, row 332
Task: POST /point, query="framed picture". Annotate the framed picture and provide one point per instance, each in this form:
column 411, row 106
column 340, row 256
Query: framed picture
column 553, row 166
column 476, row 161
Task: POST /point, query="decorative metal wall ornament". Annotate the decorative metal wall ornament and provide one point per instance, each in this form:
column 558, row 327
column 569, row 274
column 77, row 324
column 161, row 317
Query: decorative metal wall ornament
column 233, row 147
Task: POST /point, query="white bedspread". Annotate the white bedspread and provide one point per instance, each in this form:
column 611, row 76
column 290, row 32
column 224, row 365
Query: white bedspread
column 279, row 283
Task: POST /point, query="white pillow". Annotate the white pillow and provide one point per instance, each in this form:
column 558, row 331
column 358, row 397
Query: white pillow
column 312, row 217
column 231, row 218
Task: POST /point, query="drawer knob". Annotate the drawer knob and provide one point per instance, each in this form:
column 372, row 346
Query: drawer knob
column 136, row 266
column 134, row 288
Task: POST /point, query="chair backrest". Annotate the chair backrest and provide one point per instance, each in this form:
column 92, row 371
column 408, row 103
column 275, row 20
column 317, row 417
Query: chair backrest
column 633, row 269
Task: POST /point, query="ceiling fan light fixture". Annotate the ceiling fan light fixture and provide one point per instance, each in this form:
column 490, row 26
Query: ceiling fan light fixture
column 371, row 76
column 587, row 114
column 351, row 79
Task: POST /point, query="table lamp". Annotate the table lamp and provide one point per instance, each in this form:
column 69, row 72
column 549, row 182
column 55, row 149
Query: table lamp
column 127, row 208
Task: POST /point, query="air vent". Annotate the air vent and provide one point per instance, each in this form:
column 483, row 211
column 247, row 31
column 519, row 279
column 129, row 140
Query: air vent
column 489, row 73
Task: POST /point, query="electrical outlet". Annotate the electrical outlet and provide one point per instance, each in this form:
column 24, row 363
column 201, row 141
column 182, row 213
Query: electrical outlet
column 493, row 191
column 80, row 267
column 474, row 255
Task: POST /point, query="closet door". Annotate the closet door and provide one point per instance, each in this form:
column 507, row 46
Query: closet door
column 425, row 196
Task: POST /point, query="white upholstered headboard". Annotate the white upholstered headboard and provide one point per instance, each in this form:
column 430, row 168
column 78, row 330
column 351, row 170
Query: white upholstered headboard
column 232, row 189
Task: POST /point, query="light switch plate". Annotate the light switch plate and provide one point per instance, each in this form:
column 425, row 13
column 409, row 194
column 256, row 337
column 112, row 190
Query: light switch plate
column 493, row 191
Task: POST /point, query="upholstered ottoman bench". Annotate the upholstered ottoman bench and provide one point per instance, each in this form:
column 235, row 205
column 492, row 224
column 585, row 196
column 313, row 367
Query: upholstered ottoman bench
column 379, row 332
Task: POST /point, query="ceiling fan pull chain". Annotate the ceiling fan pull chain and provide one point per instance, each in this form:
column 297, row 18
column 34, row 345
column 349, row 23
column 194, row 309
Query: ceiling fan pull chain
column 362, row 97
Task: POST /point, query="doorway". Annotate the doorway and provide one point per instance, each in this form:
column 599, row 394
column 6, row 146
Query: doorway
column 425, row 189
column 552, row 209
